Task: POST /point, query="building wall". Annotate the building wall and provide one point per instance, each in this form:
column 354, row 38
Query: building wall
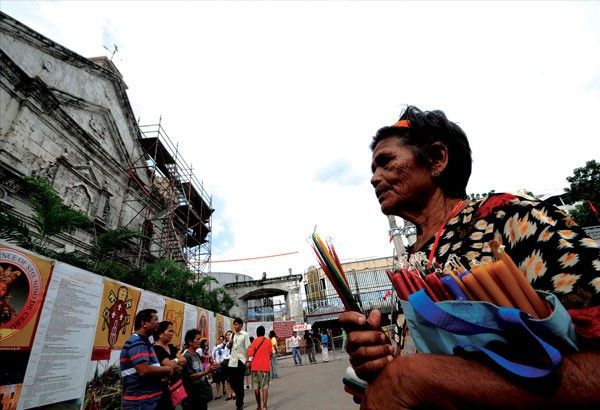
column 68, row 119
column 367, row 281
column 230, row 277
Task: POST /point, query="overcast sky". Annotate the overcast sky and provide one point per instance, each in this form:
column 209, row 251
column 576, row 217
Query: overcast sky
column 275, row 103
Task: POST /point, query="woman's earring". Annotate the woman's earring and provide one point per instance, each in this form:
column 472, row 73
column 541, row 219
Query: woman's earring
column 435, row 173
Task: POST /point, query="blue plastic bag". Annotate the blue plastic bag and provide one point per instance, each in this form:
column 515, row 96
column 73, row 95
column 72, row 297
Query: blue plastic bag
column 452, row 327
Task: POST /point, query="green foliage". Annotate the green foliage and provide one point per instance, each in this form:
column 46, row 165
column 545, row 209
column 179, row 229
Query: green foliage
column 169, row 278
column 584, row 186
column 50, row 215
column 217, row 300
column 117, row 270
column 168, row 275
column 110, row 251
column 112, row 241
column 14, row 230
column 584, row 183
column 584, row 216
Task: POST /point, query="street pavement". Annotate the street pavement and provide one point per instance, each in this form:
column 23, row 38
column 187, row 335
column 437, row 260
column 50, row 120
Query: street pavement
column 311, row 386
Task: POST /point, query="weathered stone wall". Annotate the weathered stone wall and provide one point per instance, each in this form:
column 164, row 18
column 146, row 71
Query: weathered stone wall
column 68, row 119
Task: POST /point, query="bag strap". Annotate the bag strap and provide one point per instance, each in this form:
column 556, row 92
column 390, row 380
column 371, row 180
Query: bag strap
column 507, row 318
column 260, row 344
column 427, row 308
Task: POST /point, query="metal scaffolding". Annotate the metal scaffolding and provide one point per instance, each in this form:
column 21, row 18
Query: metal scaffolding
column 176, row 209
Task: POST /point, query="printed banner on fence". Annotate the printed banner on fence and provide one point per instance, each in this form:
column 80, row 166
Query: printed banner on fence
column 151, row 300
column 174, row 314
column 190, row 319
column 23, row 282
column 204, row 323
column 219, row 325
column 116, row 317
column 64, row 340
column 24, row 279
column 212, row 326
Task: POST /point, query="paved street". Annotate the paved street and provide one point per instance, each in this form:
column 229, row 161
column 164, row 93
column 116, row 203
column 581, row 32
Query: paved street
column 316, row 386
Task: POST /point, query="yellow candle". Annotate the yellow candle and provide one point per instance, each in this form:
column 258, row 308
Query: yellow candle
column 500, row 272
column 486, row 281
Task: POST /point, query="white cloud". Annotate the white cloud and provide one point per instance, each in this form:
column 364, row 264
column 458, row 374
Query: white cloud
column 262, row 96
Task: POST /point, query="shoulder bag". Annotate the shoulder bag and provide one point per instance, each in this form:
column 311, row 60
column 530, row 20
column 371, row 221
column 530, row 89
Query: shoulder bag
column 178, row 393
column 526, row 347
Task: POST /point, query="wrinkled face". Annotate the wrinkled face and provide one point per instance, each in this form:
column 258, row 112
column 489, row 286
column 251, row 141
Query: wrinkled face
column 400, row 182
column 167, row 335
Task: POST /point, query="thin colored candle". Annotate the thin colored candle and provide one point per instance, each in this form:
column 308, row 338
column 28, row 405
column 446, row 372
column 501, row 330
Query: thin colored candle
column 434, row 283
column 424, row 285
column 486, row 282
column 461, row 284
column 398, row 284
column 501, row 272
column 412, row 286
column 538, row 304
column 473, row 285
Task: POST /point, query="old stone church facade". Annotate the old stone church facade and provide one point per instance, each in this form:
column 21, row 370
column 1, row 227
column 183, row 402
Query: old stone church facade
column 68, row 118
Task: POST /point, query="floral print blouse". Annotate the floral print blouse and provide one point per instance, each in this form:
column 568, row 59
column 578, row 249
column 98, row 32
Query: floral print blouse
column 546, row 244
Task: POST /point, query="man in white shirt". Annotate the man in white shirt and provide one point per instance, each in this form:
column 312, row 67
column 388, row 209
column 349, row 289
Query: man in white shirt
column 238, row 361
column 294, row 343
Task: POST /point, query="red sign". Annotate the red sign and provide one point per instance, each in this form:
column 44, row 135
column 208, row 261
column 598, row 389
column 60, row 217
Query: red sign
column 284, row 329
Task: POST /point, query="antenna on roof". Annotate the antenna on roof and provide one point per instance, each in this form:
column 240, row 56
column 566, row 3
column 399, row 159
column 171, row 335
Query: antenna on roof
column 114, row 50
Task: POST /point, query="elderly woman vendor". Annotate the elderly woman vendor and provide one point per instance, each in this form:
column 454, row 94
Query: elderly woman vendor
column 421, row 166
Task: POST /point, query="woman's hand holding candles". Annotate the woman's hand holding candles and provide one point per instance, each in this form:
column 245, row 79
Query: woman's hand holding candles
column 369, row 348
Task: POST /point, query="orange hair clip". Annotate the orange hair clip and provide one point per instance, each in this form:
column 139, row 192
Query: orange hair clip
column 402, row 124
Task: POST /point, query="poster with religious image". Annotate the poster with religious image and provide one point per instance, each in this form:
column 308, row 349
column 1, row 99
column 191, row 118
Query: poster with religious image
column 230, row 322
column 9, row 396
column 174, row 310
column 118, row 305
column 219, row 325
column 204, row 323
column 24, row 280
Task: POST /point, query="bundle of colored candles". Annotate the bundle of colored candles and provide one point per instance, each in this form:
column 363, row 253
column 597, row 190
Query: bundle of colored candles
column 329, row 262
column 500, row 282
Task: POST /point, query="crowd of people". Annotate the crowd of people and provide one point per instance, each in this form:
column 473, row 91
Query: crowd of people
column 156, row 374
column 162, row 376
column 320, row 341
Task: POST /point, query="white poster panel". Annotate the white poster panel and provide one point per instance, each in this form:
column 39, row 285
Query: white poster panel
column 190, row 318
column 252, row 326
column 151, row 300
column 64, row 338
column 212, row 324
